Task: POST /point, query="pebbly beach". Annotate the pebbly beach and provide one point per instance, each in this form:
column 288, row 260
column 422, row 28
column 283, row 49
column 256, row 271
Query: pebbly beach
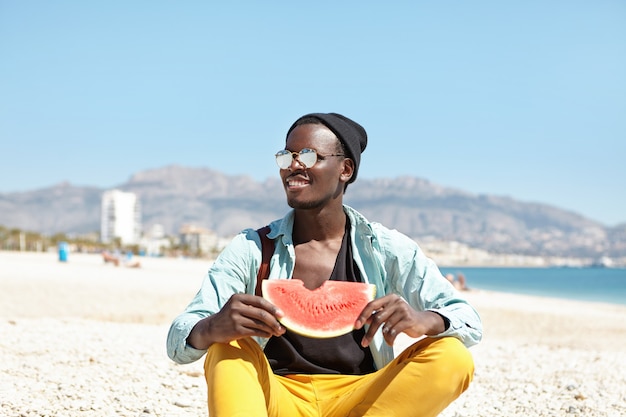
column 87, row 338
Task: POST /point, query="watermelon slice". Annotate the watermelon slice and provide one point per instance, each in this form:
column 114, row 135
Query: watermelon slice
column 327, row 311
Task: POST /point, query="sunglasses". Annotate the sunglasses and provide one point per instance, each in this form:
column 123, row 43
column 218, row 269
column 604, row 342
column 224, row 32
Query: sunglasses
column 306, row 157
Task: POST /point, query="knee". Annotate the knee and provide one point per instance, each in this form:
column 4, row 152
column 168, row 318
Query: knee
column 234, row 361
column 456, row 353
column 447, row 360
column 455, row 363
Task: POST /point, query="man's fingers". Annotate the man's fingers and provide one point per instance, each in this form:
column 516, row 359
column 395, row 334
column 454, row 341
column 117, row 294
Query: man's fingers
column 385, row 314
column 376, row 319
column 262, row 303
column 264, row 319
column 259, row 328
column 370, row 310
column 254, row 316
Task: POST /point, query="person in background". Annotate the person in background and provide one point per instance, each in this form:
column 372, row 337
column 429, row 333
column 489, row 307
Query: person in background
column 256, row 367
column 459, row 282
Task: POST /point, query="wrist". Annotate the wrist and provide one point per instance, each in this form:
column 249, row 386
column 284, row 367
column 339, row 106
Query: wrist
column 199, row 336
column 439, row 324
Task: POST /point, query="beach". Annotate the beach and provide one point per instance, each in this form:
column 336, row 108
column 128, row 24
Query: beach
column 87, row 338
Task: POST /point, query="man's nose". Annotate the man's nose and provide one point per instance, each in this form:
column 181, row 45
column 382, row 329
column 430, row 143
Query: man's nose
column 296, row 163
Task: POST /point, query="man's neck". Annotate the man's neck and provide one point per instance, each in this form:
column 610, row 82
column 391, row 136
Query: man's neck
column 320, row 225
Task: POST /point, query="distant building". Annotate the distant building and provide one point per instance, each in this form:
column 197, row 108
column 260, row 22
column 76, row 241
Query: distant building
column 197, row 239
column 154, row 241
column 120, row 217
column 157, row 231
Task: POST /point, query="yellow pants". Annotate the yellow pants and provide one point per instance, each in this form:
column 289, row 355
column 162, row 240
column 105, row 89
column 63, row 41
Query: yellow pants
column 421, row 381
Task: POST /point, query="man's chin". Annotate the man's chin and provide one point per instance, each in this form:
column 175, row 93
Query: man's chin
column 302, row 205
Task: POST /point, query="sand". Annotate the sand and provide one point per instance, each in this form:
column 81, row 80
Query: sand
column 87, row 338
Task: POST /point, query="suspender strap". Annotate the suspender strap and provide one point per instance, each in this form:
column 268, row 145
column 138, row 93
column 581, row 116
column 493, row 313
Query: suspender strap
column 267, row 249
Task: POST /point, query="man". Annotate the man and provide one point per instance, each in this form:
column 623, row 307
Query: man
column 256, row 367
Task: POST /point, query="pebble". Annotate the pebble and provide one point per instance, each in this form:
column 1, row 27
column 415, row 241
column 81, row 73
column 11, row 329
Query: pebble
column 112, row 369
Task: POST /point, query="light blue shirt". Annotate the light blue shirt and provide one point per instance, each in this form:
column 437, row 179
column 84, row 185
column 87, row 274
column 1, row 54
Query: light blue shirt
column 391, row 261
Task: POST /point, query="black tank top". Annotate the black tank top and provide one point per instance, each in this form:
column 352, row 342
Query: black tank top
column 295, row 354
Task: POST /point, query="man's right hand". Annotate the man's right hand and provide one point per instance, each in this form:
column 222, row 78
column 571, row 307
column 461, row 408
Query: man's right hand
column 244, row 315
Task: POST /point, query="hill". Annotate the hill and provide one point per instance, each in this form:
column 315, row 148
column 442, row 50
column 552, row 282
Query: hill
column 175, row 195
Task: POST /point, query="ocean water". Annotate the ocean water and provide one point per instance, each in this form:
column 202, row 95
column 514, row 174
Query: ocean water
column 606, row 285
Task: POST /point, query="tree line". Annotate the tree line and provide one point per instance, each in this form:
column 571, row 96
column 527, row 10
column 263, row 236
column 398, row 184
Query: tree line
column 15, row 239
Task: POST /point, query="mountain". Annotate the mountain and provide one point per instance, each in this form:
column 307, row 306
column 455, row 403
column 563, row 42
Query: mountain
column 175, row 195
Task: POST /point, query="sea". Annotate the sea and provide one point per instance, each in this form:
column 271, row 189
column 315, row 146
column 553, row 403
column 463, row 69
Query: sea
column 606, row 285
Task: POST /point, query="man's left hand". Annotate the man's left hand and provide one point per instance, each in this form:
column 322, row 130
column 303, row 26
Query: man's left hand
column 396, row 316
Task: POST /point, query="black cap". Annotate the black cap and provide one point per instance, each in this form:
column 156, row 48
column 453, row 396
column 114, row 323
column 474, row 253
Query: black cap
column 349, row 132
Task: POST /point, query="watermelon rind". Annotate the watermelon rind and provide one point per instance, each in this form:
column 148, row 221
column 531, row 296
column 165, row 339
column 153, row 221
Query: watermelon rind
column 336, row 305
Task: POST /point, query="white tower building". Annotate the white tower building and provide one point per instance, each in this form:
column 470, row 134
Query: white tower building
column 120, row 217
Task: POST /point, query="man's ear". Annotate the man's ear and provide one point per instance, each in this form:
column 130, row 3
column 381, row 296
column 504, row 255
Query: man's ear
column 348, row 170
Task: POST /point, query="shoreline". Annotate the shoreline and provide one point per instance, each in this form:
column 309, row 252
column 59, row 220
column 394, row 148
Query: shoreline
column 590, row 284
column 88, row 338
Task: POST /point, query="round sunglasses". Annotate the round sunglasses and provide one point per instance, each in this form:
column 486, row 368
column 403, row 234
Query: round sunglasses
column 306, row 157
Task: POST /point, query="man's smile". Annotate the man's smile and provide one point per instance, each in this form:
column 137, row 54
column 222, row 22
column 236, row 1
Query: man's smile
column 296, row 181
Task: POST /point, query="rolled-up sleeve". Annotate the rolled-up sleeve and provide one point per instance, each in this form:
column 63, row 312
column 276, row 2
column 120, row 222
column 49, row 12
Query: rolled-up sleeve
column 177, row 347
column 465, row 323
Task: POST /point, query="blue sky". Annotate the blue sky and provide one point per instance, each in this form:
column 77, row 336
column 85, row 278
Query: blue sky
column 521, row 99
